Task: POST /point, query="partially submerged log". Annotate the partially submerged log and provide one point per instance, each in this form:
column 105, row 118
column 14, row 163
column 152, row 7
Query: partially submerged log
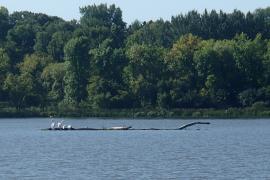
column 123, row 128
column 192, row 124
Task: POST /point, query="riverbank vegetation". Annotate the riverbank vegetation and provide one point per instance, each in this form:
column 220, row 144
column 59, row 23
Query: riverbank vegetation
column 230, row 113
column 213, row 64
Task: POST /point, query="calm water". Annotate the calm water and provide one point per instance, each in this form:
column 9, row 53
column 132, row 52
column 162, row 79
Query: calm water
column 226, row 149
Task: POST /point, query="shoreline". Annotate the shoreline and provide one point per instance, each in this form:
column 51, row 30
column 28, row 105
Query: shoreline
column 230, row 113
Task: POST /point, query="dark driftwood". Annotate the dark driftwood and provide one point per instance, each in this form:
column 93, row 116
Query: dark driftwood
column 192, row 124
column 124, row 129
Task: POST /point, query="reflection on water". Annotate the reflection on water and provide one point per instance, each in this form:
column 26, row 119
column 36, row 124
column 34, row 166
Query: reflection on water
column 226, row 149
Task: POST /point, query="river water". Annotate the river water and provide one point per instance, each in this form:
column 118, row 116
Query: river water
column 225, row 149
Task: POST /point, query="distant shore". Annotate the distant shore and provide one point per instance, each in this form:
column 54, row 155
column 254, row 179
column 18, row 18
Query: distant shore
column 137, row 113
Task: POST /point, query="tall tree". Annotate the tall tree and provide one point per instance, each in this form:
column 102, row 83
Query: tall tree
column 4, row 23
column 158, row 33
column 99, row 22
column 41, row 42
column 217, row 72
column 249, row 55
column 182, row 72
column 57, row 43
column 145, row 65
column 106, row 88
column 53, row 81
column 4, row 69
column 78, row 63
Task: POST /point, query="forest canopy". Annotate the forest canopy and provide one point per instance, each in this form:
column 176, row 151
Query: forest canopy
column 208, row 60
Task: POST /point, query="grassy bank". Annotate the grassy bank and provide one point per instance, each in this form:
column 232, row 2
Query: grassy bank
column 9, row 112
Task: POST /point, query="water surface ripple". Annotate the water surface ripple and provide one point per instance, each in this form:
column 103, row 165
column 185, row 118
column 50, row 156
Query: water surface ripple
column 226, row 149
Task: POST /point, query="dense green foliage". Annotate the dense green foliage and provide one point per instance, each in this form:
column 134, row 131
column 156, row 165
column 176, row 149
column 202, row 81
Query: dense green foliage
column 195, row 61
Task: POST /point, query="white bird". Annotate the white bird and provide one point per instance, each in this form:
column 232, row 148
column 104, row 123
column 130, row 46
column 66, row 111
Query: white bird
column 52, row 124
column 60, row 124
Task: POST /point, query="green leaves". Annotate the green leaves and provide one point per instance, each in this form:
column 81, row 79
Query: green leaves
column 213, row 59
column 249, row 55
column 4, row 23
column 78, row 63
column 53, row 81
column 4, row 62
column 145, row 65
column 19, row 87
column 99, row 22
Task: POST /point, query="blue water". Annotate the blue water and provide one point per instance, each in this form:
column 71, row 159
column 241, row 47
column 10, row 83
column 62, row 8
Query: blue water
column 225, row 149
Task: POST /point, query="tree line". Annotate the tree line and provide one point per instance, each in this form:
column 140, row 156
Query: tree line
column 208, row 60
